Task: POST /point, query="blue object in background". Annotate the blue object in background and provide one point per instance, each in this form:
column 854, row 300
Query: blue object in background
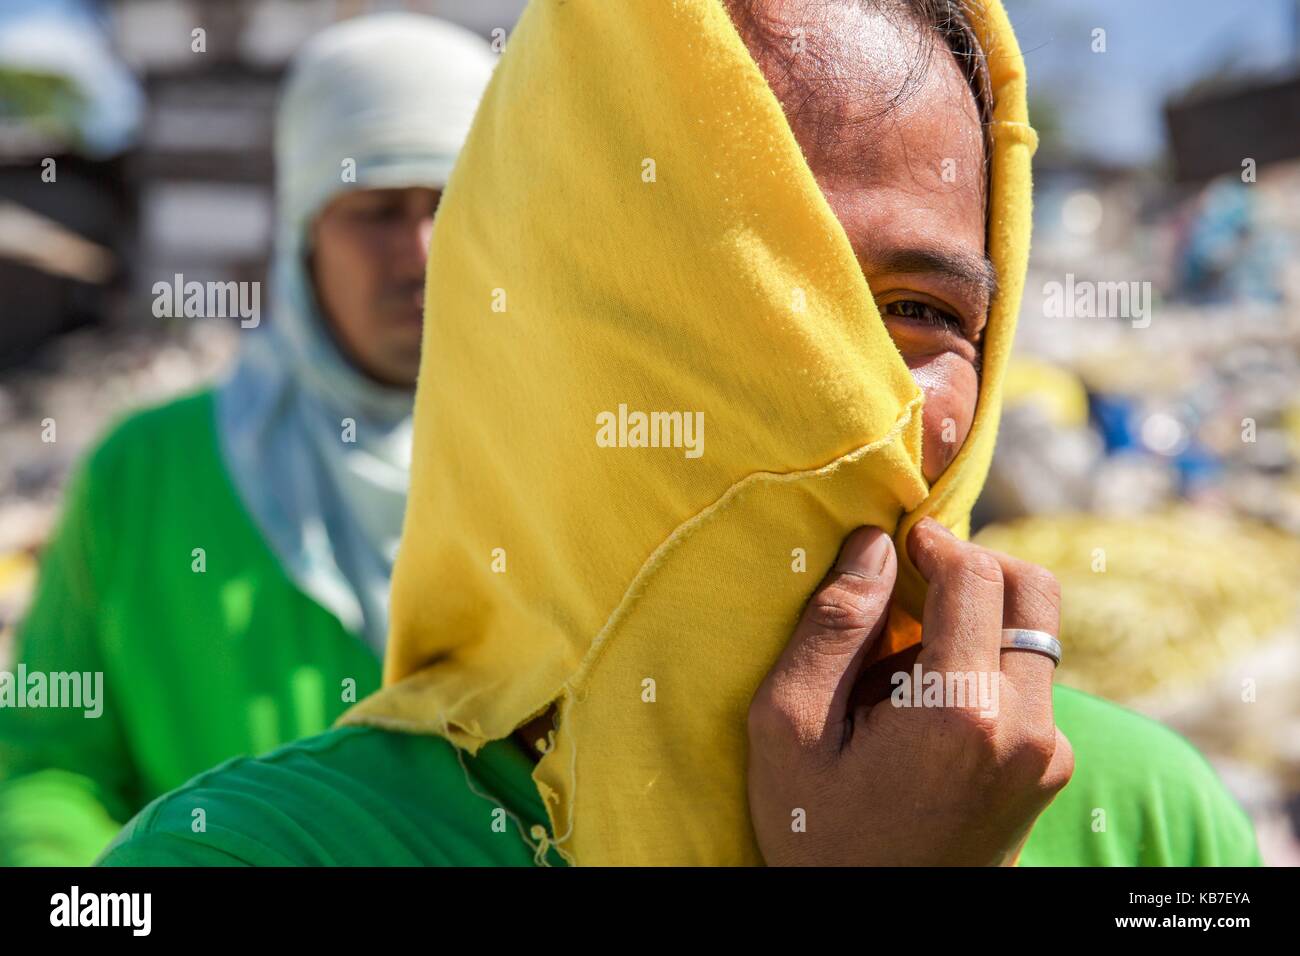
column 1116, row 417
column 1197, row 468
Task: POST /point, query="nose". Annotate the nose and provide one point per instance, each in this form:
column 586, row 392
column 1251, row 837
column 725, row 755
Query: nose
column 411, row 241
column 424, row 234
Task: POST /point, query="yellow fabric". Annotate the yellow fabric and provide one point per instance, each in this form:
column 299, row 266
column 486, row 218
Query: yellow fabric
column 646, row 590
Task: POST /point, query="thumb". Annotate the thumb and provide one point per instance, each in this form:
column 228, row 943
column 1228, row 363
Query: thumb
column 812, row 681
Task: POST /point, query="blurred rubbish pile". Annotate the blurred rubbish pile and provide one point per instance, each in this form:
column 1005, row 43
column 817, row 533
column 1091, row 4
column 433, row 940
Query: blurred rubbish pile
column 1151, row 460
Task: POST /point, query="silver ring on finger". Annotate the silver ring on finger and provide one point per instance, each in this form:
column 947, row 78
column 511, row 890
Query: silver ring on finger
column 1023, row 639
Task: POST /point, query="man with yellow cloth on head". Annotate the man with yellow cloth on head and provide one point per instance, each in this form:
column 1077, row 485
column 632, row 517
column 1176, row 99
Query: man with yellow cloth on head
column 645, row 643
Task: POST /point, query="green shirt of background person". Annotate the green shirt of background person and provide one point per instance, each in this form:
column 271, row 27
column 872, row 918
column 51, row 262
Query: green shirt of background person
column 223, row 560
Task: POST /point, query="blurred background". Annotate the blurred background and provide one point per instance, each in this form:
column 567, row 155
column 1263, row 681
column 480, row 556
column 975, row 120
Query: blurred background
column 1151, row 437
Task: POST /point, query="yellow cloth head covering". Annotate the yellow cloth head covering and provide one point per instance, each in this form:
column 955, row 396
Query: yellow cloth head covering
column 632, row 224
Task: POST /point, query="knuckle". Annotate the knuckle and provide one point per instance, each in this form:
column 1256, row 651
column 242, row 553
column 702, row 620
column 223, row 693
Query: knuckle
column 1037, row 749
column 1063, row 768
column 1042, row 583
column 767, row 720
column 773, row 718
column 1031, row 755
column 781, row 734
column 846, row 604
column 982, row 568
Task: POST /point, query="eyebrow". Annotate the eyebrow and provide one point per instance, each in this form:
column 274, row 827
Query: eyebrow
column 975, row 271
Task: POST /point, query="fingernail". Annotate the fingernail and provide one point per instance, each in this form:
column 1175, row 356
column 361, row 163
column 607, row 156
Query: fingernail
column 926, row 525
column 865, row 552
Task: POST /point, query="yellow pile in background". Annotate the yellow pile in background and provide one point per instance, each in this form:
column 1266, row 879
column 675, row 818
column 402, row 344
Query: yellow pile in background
column 1158, row 603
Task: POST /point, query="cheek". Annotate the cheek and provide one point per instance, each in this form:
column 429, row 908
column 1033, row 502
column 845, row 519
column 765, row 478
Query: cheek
column 951, row 387
column 344, row 275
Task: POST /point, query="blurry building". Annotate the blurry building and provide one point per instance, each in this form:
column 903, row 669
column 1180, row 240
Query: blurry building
column 166, row 164
column 68, row 108
column 1214, row 129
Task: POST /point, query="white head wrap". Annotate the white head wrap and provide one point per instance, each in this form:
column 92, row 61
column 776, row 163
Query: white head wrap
column 388, row 98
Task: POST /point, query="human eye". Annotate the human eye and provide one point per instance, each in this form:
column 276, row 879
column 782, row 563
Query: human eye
column 926, row 314
column 375, row 207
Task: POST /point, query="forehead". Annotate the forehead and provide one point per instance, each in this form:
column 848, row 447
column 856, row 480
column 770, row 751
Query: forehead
column 883, row 114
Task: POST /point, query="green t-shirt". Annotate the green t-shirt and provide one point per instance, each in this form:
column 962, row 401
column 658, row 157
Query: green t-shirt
column 158, row 578
column 1141, row 796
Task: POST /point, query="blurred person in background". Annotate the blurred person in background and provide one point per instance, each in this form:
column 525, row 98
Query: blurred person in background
column 223, row 560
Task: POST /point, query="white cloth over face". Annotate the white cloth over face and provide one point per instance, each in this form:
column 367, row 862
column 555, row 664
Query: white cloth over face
column 377, row 102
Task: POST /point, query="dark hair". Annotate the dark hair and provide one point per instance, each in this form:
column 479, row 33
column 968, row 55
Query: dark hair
column 949, row 20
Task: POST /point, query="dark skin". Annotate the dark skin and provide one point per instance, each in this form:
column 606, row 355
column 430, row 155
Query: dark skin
column 883, row 785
